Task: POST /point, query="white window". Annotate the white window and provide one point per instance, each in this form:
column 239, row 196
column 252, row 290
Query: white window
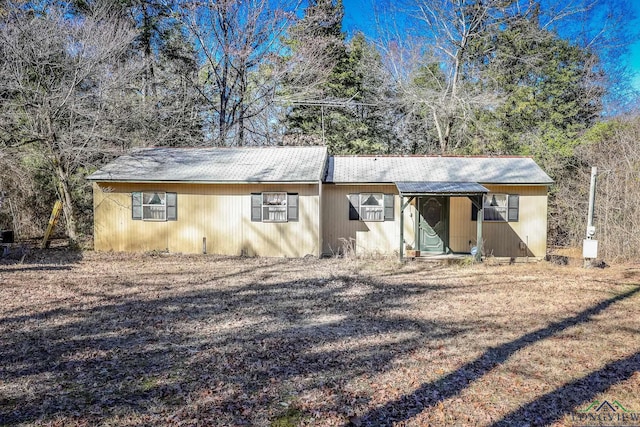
column 501, row 207
column 154, row 206
column 275, row 206
column 371, row 207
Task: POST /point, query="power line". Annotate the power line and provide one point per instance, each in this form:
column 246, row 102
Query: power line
column 328, row 103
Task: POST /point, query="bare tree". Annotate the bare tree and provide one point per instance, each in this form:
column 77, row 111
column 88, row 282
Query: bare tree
column 432, row 64
column 64, row 86
column 235, row 40
column 441, row 51
column 613, row 147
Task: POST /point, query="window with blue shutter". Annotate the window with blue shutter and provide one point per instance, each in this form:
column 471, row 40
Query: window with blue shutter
column 371, row 207
column 154, row 206
column 274, row 207
column 498, row 208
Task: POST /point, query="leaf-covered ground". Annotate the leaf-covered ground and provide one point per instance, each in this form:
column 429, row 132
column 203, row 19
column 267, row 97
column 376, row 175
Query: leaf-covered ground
column 119, row 340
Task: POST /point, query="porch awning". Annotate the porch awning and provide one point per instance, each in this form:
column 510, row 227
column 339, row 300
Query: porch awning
column 422, row 188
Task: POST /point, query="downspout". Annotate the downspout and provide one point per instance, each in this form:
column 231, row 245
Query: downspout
column 323, row 177
column 401, row 227
column 479, row 232
column 320, row 221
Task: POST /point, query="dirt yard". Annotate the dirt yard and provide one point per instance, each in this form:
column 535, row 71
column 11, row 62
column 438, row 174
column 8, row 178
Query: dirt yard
column 120, row 340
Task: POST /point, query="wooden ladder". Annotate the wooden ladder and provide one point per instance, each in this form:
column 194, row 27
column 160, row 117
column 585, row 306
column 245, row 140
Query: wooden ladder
column 53, row 219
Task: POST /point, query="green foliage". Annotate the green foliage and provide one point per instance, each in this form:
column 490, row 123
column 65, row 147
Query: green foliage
column 291, row 418
column 548, row 94
column 350, row 121
column 430, row 76
column 603, row 132
column 315, row 48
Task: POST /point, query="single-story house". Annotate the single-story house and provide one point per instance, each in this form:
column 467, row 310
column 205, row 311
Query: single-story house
column 234, row 201
column 436, row 204
column 298, row 201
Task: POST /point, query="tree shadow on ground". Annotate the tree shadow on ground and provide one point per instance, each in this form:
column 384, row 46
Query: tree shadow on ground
column 28, row 255
column 560, row 402
column 231, row 354
column 429, row 394
column 151, row 355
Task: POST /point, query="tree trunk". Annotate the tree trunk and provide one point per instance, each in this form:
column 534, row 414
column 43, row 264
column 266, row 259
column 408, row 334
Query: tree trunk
column 67, row 203
column 149, row 72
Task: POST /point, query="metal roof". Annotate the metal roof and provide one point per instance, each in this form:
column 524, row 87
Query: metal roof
column 211, row 165
column 441, row 188
column 392, row 169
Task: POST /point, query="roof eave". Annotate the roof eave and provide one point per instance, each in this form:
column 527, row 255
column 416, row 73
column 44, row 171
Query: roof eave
column 520, row 184
column 160, row 181
column 479, row 182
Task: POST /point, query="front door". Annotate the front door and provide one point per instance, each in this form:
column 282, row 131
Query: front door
column 432, row 224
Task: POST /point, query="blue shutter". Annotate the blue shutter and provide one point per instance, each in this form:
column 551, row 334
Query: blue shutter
column 513, row 207
column 172, row 206
column 292, row 207
column 256, row 207
column 388, row 207
column 354, row 206
column 136, row 205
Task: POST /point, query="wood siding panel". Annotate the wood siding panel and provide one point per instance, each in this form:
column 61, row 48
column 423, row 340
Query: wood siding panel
column 366, row 236
column 501, row 239
column 220, row 213
column 504, row 239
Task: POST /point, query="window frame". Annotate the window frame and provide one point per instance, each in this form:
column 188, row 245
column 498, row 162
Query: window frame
column 357, row 207
column 510, row 210
column 139, row 207
column 290, row 207
column 282, row 207
column 153, row 207
column 365, row 210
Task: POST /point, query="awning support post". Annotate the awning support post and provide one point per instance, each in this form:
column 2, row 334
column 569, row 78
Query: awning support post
column 403, row 205
column 477, row 202
column 401, row 227
column 479, row 235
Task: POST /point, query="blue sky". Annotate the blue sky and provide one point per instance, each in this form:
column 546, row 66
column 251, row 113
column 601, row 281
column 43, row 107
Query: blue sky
column 634, row 53
column 359, row 15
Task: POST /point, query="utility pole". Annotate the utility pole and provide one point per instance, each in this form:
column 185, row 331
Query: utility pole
column 590, row 245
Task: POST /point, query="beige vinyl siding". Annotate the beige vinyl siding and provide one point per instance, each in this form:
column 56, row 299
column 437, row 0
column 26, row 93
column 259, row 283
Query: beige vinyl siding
column 366, row 236
column 221, row 213
column 503, row 239
column 500, row 238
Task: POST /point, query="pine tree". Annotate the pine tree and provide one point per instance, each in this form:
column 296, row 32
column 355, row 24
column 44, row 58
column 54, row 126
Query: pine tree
column 315, row 47
column 362, row 125
column 169, row 102
column 335, row 87
column 549, row 90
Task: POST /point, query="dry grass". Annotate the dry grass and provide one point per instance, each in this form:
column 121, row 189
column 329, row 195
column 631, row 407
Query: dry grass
column 114, row 339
